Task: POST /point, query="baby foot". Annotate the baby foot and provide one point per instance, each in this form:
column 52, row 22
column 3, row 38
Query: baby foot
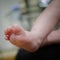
column 21, row 38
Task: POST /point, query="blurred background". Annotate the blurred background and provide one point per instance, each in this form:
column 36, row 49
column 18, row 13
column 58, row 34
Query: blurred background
column 21, row 12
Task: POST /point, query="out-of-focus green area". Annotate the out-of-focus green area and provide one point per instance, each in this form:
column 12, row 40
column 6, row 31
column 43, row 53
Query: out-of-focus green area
column 21, row 12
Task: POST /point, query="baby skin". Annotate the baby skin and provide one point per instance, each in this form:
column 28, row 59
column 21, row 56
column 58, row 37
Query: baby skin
column 28, row 40
column 41, row 33
column 21, row 38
